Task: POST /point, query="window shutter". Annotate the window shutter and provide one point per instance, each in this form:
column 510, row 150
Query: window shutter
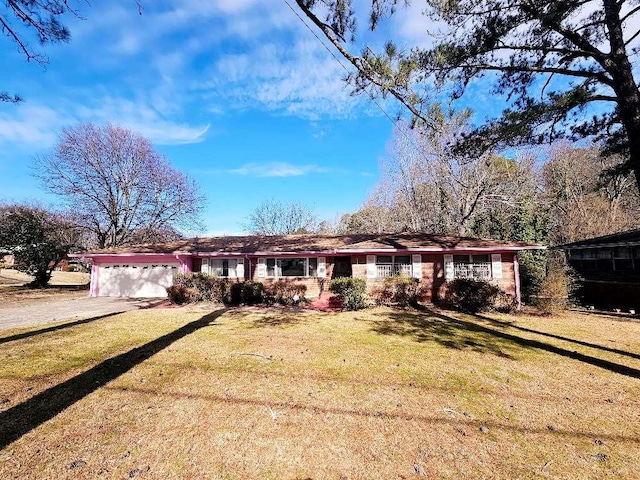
column 322, row 267
column 496, row 265
column 240, row 269
column 449, row 272
column 262, row 267
column 371, row 266
column 416, row 269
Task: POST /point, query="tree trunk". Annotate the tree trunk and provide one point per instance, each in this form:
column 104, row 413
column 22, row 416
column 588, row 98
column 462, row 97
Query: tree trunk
column 42, row 277
column 624, row 84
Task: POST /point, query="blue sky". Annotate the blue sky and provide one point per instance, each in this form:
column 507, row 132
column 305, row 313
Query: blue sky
column 237, row 93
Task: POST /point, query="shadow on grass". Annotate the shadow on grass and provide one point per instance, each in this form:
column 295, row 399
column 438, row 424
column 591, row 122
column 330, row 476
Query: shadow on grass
column 499, row 323
column 272, row 317
column 427, row 325
column 24, row 417
column 19, row 336
column 323, row 411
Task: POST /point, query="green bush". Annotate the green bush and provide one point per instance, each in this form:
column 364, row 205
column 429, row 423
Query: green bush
column 399, row 290
column 283, row 292
column 532, row 274
column 251, row 293
column 350, row 291
column 472, row 295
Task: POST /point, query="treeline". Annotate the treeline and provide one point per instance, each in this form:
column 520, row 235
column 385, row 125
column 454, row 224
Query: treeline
column 548, row 196
column 560, row 194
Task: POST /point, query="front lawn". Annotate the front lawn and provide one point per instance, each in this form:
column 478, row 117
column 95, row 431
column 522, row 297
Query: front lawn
column 381, row 393
column 14, row 277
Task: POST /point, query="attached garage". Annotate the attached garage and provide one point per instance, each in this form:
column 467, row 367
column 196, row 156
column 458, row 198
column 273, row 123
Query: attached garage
column 135, row 279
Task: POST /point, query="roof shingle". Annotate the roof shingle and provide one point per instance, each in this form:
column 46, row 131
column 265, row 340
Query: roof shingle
column 252, row 244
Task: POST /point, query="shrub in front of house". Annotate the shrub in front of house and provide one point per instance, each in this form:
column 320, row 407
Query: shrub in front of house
column 251, row 293
column 351, row 291
column 198, row 287
column 399, row 290
column 244, row 293
column 472, row 295
column 284, row 292
column 178, row 294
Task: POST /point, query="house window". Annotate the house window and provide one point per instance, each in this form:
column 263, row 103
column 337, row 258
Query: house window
column 223, row 267
column 292, row 267
column 393, row 265
column 622, row 259
column 473, row 267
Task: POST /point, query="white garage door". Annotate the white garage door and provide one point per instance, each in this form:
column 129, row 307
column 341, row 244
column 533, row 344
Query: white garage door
column 135, row 280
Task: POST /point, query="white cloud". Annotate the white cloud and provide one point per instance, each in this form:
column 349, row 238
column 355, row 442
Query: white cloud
column 37, row 125
column 275, row 169
column 413, row 28
column 144, row 119
column 300, row 79
column 31, row 125
column 279, row 169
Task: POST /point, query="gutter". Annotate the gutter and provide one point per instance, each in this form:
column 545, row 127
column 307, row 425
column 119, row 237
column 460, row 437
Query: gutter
column 311, row 253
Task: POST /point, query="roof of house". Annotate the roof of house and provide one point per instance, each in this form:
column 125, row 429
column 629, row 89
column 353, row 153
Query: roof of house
column 631, row 237
column 257, row 244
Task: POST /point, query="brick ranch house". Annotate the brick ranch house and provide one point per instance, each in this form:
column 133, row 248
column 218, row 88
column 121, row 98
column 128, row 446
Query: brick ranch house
column 146, row 270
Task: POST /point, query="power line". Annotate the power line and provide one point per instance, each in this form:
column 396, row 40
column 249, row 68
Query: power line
column 370, row 95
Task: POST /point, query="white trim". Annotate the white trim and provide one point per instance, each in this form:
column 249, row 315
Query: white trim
column 416, row 266
column 240, row 270
column 261, row 269
column 372, row 269
column 322, row 267
column 496, row 266
column 449, row 272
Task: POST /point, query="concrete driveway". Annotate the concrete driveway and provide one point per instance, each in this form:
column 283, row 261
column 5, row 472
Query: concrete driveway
column 67, row 307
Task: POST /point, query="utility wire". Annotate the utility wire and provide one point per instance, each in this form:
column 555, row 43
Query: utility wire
column 369, row 94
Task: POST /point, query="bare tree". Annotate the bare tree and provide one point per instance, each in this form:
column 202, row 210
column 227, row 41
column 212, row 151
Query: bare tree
column 433, row 189
column 586, row 195
column 119, row 187
column 275, row 218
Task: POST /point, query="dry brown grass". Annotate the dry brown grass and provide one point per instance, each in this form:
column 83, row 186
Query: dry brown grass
column 250, row 393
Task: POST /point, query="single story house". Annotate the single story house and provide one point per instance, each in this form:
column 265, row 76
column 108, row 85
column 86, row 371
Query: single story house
column 146, row 270
column 609, row 269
